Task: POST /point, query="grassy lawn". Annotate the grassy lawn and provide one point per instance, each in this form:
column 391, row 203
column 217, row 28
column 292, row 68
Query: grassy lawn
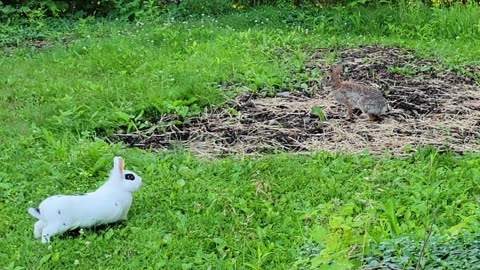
column 59, row 103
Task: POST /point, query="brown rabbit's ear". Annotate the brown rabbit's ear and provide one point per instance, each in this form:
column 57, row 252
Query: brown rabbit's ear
column 337, row 68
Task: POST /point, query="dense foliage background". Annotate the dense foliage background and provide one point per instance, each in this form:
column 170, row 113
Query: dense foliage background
column 78, row 8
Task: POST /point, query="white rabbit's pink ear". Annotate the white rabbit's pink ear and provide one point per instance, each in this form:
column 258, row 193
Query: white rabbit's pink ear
column 118, row 164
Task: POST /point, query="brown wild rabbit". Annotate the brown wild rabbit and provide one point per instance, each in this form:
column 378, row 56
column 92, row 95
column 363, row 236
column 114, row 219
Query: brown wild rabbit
column 356, row 95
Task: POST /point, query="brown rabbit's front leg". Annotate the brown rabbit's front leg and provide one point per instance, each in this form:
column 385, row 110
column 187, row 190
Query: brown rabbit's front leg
column 372, row 117
column 349, row 110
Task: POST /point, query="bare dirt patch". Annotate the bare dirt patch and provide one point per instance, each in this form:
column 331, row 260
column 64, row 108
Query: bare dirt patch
column 431, row 105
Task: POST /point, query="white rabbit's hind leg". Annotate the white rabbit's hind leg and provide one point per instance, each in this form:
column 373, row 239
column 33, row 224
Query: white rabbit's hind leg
column 38, row 228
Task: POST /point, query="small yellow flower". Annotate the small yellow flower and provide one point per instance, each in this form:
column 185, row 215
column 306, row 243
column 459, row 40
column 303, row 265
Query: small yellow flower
column 237, row 6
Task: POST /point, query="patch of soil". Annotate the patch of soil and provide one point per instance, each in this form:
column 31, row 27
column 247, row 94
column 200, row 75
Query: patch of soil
column 429, row 106
column 38, row 43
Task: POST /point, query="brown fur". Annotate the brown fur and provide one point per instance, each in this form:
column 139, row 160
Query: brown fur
column 356, row 95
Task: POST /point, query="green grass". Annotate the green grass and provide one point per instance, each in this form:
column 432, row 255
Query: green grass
column 273, row 212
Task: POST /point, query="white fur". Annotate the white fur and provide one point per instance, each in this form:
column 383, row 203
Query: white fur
column 109, row 203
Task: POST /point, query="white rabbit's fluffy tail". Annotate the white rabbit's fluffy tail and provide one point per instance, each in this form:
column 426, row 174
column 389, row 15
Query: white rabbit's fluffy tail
column 35, row 212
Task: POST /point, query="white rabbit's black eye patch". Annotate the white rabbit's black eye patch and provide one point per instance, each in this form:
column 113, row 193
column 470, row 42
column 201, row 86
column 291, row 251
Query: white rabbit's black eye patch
column 130, row 176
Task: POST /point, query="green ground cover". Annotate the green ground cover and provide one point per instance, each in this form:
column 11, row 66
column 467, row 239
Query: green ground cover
column 278, row 211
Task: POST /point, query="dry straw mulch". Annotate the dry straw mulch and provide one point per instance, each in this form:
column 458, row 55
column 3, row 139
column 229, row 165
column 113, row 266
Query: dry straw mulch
column 430, row 106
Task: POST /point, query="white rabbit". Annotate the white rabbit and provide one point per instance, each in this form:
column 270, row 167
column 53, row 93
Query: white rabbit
column 109, row 203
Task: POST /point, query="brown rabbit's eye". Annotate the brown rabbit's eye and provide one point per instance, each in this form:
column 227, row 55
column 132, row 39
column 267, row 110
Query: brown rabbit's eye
column 130, row 176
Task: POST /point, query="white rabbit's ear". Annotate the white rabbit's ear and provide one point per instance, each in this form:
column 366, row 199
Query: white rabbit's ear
column 118, row 164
